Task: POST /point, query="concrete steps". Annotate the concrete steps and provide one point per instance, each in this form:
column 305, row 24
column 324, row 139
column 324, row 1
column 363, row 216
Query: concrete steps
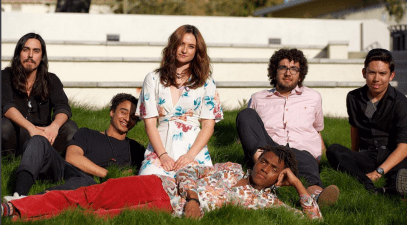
column 92, row 72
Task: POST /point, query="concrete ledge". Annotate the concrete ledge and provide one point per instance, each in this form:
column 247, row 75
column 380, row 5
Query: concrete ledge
column 122, row 84
column 163, row 44
column 213, row 60
column 219, row 84
column 338, row 43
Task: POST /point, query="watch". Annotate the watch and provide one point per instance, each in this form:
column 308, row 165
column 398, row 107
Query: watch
column 380, row 170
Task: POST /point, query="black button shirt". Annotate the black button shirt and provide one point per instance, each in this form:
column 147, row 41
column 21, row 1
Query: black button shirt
column 388, row 125
column 40, row 112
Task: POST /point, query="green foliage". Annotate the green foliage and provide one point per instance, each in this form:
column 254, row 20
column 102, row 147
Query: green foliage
column 355, row 204
column 396, row 9
column 240, row 8
column 192, row 7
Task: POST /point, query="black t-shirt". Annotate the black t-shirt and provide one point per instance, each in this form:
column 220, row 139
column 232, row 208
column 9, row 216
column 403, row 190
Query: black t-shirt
column 96, row 148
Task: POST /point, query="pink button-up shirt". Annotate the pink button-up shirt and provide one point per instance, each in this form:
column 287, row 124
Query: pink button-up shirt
column 295, row 120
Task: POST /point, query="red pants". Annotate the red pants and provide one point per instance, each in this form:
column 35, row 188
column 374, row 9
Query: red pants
column 109, row 198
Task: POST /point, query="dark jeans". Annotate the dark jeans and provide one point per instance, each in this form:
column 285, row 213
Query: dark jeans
column 361, row 163
column 14, row 138
column 42, row 161
column 253, row 136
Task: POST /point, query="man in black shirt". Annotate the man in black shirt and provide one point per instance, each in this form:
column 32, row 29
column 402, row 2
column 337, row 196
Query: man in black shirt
column 378, row 118
column 29, row 95
column 87, row 155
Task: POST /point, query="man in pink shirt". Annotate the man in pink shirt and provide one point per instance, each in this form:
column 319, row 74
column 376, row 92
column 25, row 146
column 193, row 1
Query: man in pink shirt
column 289, row 114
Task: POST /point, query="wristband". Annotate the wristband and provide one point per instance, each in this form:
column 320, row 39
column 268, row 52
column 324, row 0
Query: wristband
column 193, row 199
column 162, row 155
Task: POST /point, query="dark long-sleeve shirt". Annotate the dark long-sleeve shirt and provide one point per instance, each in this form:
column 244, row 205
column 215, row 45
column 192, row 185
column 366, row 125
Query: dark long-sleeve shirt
column 40, row 112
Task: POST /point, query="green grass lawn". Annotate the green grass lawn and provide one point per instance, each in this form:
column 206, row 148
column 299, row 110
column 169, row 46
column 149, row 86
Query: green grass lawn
column 355, row 204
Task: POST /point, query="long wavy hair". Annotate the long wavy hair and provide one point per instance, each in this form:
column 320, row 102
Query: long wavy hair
column 199, row 67
column 40, row 89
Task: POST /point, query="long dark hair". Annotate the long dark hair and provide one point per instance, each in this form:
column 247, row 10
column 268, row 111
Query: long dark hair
column 40, row 87
column 199, row 67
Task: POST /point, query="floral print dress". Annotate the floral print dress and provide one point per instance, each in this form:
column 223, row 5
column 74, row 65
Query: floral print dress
column 179, row 124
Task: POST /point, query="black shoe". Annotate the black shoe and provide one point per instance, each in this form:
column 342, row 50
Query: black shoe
column 380, row 190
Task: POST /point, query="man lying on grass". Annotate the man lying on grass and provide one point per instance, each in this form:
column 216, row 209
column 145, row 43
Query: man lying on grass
column 195, row 190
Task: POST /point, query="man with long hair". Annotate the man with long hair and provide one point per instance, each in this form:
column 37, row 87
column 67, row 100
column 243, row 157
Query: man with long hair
column 289, row 114
column 378, row 119
column 33, row 100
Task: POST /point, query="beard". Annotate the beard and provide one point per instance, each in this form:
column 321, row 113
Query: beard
column 30, row 67
column 286, row 87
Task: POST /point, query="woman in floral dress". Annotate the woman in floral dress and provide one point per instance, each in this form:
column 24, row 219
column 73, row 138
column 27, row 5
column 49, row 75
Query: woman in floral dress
column 180, row 96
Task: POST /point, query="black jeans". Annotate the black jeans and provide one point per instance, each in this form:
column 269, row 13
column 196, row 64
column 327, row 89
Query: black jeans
column 361, row 163
column 14, row 138
column 43, row 162
column 253, row 136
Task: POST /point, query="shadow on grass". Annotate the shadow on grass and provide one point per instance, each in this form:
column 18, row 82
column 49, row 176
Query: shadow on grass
column 11, row 183
column 225, row 134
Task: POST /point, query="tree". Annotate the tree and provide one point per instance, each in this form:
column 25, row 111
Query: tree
column 396, row 9
column 80, row 6
column 192, row 7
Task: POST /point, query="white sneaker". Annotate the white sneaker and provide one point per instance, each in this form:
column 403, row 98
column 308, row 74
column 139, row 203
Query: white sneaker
column 14, row 197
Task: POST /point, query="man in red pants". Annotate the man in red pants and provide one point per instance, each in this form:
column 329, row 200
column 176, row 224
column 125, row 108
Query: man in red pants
column 196, row 189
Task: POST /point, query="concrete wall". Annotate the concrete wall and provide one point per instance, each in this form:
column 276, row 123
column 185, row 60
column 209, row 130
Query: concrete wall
column 220, row 30
column 148, row 49
column 93, row 70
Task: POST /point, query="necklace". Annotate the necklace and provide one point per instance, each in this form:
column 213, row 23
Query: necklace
column 29, row 86
column 114, row 155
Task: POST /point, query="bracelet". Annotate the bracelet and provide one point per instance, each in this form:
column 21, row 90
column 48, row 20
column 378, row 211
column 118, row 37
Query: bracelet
column 162, row 155
column 193, row 199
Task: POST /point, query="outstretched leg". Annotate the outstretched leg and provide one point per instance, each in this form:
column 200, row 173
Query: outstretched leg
column 110, row 197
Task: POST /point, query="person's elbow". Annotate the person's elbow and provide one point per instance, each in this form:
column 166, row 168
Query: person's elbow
column 208, row 125
column 71, row 158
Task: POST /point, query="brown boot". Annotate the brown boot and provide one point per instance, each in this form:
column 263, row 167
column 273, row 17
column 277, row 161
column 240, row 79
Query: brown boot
column 328, row 196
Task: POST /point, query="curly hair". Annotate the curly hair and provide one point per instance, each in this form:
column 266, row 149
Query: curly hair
column 292, row 55
column 199, row 67
column 40, row 89
column 121, row 97
column 285, row 154
column 380, row 54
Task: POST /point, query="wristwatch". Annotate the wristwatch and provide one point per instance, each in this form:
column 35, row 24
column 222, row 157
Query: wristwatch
column 380, row 171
